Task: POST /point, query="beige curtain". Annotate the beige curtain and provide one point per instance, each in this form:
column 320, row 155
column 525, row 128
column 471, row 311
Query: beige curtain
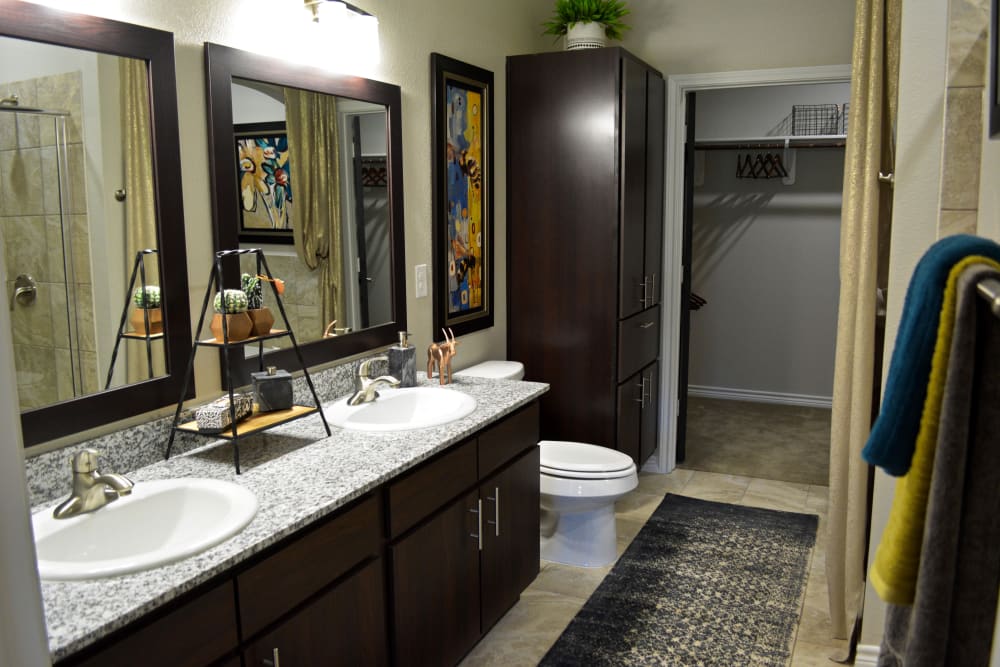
column 313, row 144
column 140, row 201
column 866, row 212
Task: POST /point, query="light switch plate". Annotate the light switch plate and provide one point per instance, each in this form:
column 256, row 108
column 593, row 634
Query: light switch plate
column 420, row 273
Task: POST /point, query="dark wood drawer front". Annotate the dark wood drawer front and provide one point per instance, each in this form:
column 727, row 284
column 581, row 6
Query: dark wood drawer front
column 503, row 441
column 277, row 584
column 638, row 341
column 419, row 493
column 196, row 633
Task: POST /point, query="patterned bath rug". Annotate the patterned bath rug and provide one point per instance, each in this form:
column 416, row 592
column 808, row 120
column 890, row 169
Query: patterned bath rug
column 703, row 583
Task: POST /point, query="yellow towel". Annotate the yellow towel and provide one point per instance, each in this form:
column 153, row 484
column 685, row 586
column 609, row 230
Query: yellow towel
column 897, row 560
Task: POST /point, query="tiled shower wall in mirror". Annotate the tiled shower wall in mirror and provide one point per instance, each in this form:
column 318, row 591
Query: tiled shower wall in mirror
column 44, row 232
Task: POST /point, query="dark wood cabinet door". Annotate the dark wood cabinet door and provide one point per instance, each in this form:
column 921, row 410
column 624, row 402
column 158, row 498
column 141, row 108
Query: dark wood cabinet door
column 435, row 572
column 509, row 560
column 630, row 416
column 343, row 626
column 650, row 413
column 655, row 148
column 632, row 287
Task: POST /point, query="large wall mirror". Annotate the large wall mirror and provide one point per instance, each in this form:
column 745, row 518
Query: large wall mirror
column 89, row 178
column 307, row 166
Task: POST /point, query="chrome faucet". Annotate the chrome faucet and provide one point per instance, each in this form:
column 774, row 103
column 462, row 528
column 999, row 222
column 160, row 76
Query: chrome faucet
column 368, row 386
column 91, row 489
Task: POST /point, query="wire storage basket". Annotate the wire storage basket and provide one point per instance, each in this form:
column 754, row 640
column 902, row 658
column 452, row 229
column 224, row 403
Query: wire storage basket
column 816, row 119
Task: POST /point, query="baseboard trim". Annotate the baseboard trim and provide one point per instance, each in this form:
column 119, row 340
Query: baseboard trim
column 866, row 655
column 755, row 396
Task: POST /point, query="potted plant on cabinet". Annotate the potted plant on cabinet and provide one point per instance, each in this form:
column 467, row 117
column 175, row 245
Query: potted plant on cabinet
column 586, row 23
column 147, row 318
column 231, row 304
column 260, row 315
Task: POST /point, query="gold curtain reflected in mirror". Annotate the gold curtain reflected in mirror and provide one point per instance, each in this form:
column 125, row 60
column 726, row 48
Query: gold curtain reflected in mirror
column 311, row 124
column 140, row 201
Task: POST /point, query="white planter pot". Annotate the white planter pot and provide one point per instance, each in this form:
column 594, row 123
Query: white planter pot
column 585, row 36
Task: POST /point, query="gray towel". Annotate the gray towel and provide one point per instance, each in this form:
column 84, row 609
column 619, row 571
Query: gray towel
column 951, row 620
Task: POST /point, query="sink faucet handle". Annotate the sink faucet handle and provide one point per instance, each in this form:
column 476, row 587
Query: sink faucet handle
column 364, row 369
column 85, row 460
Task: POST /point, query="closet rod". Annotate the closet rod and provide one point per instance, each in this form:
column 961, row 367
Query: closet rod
column 772, row 143
column 989, row 289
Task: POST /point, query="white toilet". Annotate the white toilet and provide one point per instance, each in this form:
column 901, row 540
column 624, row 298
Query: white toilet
column 496, row 370
column 579, row 486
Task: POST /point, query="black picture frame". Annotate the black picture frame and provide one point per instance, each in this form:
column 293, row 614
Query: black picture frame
column 994, row 70
column 462, row 235
column 253, row 218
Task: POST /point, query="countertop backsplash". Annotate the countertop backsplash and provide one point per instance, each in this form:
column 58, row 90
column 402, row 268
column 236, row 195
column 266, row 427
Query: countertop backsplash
column 49, row 477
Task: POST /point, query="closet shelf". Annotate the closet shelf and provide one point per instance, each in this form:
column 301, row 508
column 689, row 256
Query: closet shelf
column 772, row 143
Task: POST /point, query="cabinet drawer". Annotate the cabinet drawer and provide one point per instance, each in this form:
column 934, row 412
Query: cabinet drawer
column 196, row 633
column 638, row 341
column 419, row 493
column 277, row 584
column 501, row 442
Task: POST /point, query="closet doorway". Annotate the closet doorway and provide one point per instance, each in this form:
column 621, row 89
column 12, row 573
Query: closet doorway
column 760, row 256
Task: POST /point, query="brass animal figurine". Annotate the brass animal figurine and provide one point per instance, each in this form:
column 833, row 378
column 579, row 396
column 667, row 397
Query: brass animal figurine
column 440, row 354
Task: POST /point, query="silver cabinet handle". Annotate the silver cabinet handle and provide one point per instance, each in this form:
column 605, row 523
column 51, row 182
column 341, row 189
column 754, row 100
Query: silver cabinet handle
column 644, row 393
column 479, row 516
column 652, row 289
column 496, row 510
column 275, row 660
column 645, row 286
column 646, row 325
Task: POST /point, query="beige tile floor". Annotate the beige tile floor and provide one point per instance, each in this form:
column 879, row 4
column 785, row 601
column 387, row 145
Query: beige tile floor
column 545, row 609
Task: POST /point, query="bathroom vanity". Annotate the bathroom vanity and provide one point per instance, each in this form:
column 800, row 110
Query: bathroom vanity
column 368, row 548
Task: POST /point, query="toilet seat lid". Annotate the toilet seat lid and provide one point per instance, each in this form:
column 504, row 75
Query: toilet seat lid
column 495, row 370
column 583, row 460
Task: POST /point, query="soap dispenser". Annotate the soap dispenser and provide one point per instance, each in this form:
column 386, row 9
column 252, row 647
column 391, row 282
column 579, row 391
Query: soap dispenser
column 403, row 361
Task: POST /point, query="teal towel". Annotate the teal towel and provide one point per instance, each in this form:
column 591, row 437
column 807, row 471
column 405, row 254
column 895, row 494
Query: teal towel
column 894, row 435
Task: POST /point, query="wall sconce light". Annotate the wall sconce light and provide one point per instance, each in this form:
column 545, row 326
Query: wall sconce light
column 350, row 31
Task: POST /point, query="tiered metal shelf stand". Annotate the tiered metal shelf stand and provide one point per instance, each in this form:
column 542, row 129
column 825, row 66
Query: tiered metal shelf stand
column 256, row 422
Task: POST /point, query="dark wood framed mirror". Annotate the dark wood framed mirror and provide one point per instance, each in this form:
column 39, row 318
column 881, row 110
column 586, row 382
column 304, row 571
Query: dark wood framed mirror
column 99, row 402
column 368, row 281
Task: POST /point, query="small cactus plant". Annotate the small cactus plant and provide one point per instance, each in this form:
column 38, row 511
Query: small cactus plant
column 235, row 300
column 254, row 290
column 148, row 297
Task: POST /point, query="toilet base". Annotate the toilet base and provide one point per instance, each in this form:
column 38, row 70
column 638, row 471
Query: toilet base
column 582, row 539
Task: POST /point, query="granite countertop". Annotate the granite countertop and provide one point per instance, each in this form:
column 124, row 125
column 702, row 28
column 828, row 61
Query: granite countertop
column 298, row 475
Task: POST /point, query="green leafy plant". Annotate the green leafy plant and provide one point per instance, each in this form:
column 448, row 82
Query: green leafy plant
column 149, row 297
column 254, row 290
column 235, row 299
column 609, row 13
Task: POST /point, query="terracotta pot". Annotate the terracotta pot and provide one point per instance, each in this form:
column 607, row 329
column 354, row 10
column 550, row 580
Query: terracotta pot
column 263, row 320
column 238, row 325
column 138, row 321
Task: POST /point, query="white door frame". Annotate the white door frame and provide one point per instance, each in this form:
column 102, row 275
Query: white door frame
column 678, row 86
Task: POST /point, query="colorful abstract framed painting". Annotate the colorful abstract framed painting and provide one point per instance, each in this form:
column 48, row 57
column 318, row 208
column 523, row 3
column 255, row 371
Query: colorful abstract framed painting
column 265, row 183
column 462, row 228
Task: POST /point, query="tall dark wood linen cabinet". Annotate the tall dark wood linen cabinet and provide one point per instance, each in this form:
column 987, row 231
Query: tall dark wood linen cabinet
column 585, row 185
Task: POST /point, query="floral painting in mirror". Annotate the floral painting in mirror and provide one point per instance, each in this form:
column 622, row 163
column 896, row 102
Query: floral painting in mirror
column 265, row 183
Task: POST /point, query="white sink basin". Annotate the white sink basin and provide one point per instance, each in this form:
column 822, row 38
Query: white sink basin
column 158, row 523
column 402, row 409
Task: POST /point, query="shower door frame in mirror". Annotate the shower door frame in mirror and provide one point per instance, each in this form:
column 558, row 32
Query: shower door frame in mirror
column 27, row 21
column 224, row 64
